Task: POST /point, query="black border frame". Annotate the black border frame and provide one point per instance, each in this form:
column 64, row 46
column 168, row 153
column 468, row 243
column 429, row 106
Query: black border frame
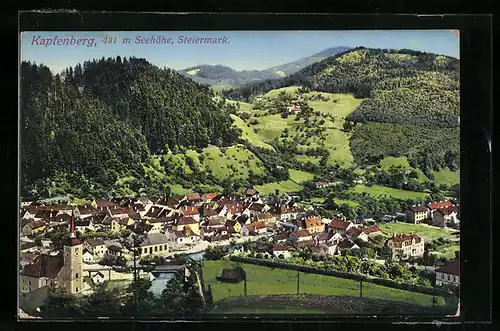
column 476, row 111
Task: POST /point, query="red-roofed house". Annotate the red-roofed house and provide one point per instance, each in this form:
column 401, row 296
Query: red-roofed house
column 193, row 197
column 313, row 224
column 302, row 235
column 191, row 211
column 406, row 245
column 251, row 193
column 432, row 207
column 339, row 226
column 448, row 274
column 207, row 197
column 444, row 216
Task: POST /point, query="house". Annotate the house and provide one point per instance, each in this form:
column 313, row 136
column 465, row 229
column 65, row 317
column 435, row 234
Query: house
column 354, row 233
column 236, row 209
column 257, row 227
column 98, row 277
column 167, row 204
column 104, row 205
column 215, row 223
column 416, row 213
column 388, row 218
column 332, row 247
column 208, row 211
column 34, row 227
column 234, row 275
column 448, row 275
column 313, row 224
column 406, row 245
column 286, row 212
column 321, row 184
column 251, row 193
column 347, row 244
column 219, row 237
column 96, row 247
column 112, row 223
column 189, row 222
column 256, row 208
column 207, row 197
column 156, row 212
column 87, row 256
column 278, row 250
column 268, row 218
column 182, row 237
column 339, row 226
column 154, row 244
column 85, row 211
column 190, row 211
column 442, row 217
column 321, row 237
column 372, row 231
column 432, row 207
column 302, row 235
column 84, row 225
column 28, row 247
column 280, row 238
column 156, row 225
column 193, row 198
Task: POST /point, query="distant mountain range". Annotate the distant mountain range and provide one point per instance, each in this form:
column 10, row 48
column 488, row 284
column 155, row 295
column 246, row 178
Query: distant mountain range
column 223, row 76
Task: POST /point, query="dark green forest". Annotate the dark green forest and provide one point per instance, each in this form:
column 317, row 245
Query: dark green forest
column 101, row 120
column 425, row 148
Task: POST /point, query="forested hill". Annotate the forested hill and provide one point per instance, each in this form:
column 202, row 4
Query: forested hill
column 100, row 120
column 401, row 86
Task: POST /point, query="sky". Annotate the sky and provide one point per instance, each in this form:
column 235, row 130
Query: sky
column 240, row 50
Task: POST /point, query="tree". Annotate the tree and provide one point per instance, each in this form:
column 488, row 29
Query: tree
column 102, row 302
column 61, row 304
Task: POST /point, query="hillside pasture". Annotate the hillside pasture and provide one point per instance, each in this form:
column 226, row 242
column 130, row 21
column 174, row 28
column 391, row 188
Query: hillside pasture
column 378, row 190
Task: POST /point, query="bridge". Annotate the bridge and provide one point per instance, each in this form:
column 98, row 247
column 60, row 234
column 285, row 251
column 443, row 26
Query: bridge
column 167, row 269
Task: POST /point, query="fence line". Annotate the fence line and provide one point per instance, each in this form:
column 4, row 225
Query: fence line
column 356, row 277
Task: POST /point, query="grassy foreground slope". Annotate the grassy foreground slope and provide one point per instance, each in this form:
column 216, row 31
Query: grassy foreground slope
column 266, row 281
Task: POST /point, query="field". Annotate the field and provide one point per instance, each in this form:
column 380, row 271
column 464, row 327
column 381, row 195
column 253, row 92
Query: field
column 425, row 231
column 248, row 134
column 378, row 190
column 283, row 187
column 301, row 176
column 337, row 201
column 446, row 176
column 402, row 162
column 265, row 281
column 332, row 114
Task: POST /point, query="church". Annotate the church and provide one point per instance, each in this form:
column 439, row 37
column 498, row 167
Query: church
column 56, row 271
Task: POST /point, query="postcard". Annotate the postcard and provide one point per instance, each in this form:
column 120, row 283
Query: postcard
column 228, row 173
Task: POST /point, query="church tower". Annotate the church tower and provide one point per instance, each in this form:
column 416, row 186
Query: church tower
column 73, row 269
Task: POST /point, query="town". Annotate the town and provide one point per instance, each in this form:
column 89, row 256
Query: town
column 93, row 237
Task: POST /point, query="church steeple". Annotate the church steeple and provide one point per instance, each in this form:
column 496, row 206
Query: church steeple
column 72, row 231
column 73, row 240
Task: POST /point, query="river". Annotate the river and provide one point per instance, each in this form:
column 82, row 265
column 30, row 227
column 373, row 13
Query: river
column 159, row 283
